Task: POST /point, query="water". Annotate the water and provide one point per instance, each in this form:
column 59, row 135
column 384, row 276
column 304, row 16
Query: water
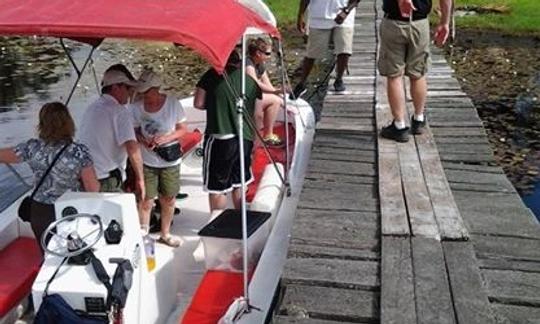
column 34, row 71
column 533, row 200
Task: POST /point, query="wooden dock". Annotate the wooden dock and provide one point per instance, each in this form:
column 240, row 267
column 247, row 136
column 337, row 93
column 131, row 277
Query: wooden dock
column 430, row 231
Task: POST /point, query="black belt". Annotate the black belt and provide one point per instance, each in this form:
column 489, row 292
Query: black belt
column 394, row 17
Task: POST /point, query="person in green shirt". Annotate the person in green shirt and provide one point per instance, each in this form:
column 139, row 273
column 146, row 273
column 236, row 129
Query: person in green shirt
column 218, row 94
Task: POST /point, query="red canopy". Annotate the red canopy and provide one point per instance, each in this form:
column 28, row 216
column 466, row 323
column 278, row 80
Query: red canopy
column 210, row 27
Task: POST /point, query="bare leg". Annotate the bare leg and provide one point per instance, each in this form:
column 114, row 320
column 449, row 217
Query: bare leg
column 396, row 97
column 307, row 66
column 217, row 201
column 237, row 198
column 167, row 212
column 419, row 94
column 273, row 103
column 341, row 64
column 145, row 207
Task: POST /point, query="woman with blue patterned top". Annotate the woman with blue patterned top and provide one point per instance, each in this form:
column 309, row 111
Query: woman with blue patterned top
column 72, row 171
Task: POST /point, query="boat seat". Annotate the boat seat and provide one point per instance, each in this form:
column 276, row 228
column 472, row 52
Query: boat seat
column 216, row 292
column 20, row 261
column 190, row 141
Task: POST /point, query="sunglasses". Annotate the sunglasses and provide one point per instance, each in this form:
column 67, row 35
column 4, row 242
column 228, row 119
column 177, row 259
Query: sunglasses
column 265, row 52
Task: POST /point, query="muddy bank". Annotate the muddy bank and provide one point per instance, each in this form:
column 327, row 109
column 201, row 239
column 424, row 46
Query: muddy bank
column 502, row 76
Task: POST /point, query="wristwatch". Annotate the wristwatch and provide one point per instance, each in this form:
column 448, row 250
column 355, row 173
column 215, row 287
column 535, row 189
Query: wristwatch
column 346, row 10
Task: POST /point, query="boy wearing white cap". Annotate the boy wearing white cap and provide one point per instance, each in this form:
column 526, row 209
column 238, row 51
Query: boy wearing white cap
column 107, row 130
column 159, row 122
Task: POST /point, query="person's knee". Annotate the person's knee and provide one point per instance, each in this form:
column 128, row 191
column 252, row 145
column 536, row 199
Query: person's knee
column 167, row 201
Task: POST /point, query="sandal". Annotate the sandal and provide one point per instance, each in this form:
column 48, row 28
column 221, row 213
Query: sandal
column 169, row 240
column 273, row 140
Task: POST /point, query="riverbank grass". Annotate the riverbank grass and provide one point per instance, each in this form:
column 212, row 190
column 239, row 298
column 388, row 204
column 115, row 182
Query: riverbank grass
column 517, row 17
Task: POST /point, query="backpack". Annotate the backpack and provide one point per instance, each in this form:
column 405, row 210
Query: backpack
column 55, row 310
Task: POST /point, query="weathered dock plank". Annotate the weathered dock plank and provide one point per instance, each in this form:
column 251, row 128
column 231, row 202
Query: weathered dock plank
column 469, row 295
column 357, row 306
column 432, row 290
column 348, row 274
column 397, row 286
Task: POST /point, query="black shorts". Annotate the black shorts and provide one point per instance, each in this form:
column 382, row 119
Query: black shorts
column 221, row 164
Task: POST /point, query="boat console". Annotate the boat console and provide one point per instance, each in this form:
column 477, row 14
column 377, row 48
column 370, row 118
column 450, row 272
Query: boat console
column 81, row 222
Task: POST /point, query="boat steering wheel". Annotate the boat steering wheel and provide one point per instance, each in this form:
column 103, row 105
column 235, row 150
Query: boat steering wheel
column 75, row 242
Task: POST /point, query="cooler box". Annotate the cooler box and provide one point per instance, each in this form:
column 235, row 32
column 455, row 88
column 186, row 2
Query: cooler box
column 222, row 240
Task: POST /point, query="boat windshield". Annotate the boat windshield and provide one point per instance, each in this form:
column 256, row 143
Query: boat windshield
column 15, row 181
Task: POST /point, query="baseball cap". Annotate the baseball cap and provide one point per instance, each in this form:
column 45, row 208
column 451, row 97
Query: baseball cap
column 115, row 77
column 148, row 80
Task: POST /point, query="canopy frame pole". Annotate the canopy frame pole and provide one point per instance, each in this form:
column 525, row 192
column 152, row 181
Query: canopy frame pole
column 281, row 65
column 74, row 65
column 240, row 106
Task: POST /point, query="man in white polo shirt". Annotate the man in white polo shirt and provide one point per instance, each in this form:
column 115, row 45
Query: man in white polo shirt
column 107, row 129
column 327, row 19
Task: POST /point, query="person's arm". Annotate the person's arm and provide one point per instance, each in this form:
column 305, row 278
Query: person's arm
column 300, row 20
column 147, row 142
column 7, row 155
column 264, row 82
column 89, row 179
column 199, row 98
column 176, row 135
column 134, row 154
column 443, row 28
column 344, row 12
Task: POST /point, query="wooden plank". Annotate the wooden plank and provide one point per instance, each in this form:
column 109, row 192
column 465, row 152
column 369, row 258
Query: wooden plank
column 303, row 320
column 513, row 287
column 346, row 304
column 394, row 219
column 397, row 289
column 329, row 252
column 518, row 314
column 469, row 295
column 499, row 263
column 451, row 225
column 348, row 274
column 419, row 209
column 432, row 291
column 498, row 214
column 339, row 229
column 510, row 248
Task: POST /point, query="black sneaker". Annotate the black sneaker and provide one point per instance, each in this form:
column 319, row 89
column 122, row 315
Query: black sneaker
column 417, row 127
column 398, row 135
column 298, row 91
column 339, row 86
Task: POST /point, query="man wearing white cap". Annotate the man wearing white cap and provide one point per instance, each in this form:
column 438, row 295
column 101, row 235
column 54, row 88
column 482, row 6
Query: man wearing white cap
column 107, row 130
column 159, row 121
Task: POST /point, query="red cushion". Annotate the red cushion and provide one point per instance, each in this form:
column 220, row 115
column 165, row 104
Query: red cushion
column 19, row 265
column 191, row 139
column 216, row 292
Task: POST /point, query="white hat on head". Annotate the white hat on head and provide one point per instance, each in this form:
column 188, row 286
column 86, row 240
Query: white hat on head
column 115, row 77
column 148, row 80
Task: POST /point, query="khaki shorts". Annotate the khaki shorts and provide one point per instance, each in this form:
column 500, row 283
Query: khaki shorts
column 404, row 48
column 162, row 181
column 319, row 39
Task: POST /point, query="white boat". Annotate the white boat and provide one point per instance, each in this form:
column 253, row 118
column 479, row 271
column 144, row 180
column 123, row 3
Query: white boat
column 197, row 282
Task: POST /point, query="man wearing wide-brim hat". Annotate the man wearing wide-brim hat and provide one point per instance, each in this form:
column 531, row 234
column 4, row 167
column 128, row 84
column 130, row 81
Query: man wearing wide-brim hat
column 107, row 130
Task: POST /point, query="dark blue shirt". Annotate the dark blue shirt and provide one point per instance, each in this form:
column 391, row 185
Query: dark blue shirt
column 391, row 9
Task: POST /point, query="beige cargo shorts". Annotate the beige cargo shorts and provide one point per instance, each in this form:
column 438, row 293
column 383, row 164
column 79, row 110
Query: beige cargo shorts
column 319, row 39
column 404, row 48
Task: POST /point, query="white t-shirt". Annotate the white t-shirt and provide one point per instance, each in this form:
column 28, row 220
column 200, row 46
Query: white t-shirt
column 323, row 12
column 161, row 122
column 105, row 127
